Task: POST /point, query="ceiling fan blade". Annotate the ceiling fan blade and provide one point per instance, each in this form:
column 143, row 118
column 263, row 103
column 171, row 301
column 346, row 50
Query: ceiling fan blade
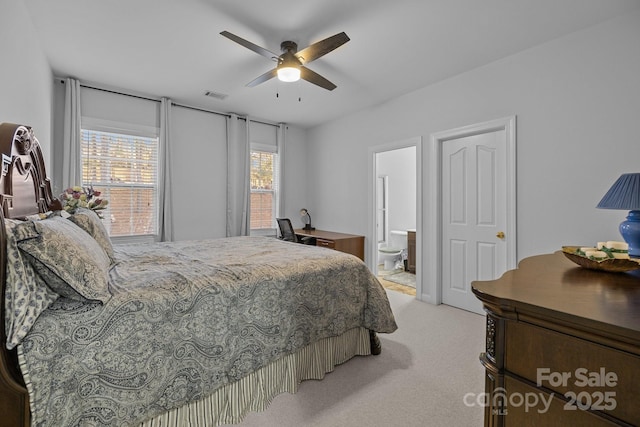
column 318, row 49
column 263, row 78
column 315, row 78
column 254, row 47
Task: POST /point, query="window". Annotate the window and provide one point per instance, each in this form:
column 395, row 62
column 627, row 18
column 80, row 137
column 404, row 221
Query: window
column 264, row 190
column 124, row 168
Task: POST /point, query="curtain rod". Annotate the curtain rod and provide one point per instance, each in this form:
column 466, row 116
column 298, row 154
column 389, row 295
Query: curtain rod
column 88, row 86
column 224, row 114
column 155, row 99
column 204, row 110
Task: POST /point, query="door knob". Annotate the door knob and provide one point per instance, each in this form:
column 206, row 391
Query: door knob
column 500, row 235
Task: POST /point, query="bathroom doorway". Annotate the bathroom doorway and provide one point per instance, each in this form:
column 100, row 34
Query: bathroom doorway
column 394, row 214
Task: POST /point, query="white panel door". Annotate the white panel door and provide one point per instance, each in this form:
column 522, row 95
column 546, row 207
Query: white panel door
column 474, row 214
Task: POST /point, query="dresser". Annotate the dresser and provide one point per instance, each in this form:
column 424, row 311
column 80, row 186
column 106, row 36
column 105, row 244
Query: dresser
column 350, row 243
column 562, row 345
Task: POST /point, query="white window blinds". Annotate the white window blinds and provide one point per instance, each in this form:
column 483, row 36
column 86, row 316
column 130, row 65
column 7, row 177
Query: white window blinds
column 264, row 189
column 125, row 169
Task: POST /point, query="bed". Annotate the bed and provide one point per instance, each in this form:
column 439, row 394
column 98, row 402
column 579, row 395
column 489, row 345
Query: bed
column 161, row 334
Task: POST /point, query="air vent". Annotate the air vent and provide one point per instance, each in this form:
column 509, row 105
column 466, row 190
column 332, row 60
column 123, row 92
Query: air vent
column 216, row 95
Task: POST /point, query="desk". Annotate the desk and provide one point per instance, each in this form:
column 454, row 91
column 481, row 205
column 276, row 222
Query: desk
column 550, row 318
column 349, row 243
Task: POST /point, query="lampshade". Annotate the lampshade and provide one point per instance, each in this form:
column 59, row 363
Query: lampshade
column 623, row 194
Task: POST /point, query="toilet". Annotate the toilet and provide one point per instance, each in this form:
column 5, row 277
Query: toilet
column 390, row 253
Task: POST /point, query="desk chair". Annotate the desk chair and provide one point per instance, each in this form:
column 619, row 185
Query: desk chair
column 287, row 233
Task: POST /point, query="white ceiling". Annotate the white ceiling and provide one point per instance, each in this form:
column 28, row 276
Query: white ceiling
column 173, row 48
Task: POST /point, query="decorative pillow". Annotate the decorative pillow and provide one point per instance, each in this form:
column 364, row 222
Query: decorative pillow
column 90, row 222
column 71, row 263
column 26, row 294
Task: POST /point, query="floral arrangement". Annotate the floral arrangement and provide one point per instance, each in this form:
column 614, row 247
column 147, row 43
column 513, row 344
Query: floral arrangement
column 82, row 197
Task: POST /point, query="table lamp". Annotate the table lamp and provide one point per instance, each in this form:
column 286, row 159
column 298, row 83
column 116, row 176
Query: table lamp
column 305, row 215
column 625, row 194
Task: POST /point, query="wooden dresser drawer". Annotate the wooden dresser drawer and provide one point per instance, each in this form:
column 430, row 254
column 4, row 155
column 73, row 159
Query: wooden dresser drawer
column 326, row 243
column 575, row 368
column 543, row 409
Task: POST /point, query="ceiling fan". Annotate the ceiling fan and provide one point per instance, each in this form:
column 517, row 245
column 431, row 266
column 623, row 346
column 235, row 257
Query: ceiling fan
column 291, row 63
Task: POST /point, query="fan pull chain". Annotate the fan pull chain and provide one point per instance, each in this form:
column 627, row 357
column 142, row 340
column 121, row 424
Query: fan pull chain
column 278, row 96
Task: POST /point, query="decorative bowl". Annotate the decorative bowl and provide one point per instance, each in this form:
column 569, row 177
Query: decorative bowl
column 611, row 264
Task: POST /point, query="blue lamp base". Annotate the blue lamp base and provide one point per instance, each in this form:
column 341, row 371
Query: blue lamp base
column 630, row 230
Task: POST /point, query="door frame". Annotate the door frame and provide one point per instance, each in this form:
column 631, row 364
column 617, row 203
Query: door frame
column 372, row 247
column 432, row 254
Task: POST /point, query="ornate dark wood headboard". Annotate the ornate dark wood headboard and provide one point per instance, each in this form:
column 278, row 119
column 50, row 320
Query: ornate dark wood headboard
column 24, row 190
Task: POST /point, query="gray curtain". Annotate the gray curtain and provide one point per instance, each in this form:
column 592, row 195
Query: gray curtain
column 238, row 184
column 164, row 194
column 72, row 157
column 281, row 143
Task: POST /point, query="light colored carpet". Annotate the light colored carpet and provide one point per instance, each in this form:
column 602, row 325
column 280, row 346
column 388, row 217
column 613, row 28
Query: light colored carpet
column 420, row 379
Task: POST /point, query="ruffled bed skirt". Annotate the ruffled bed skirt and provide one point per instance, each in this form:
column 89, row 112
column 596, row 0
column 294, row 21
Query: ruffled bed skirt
column 229, row 404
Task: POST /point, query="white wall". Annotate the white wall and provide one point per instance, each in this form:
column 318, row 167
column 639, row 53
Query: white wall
column 400, row 167
column 26, row 89
column 577, row 101
column 199, row 176
column 295, row 176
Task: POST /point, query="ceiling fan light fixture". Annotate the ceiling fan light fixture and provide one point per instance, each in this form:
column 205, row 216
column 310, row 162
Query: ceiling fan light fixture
column 288, row 69
column 288, row 74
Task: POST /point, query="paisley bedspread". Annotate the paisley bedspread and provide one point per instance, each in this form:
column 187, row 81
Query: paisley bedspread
column 186, row 318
